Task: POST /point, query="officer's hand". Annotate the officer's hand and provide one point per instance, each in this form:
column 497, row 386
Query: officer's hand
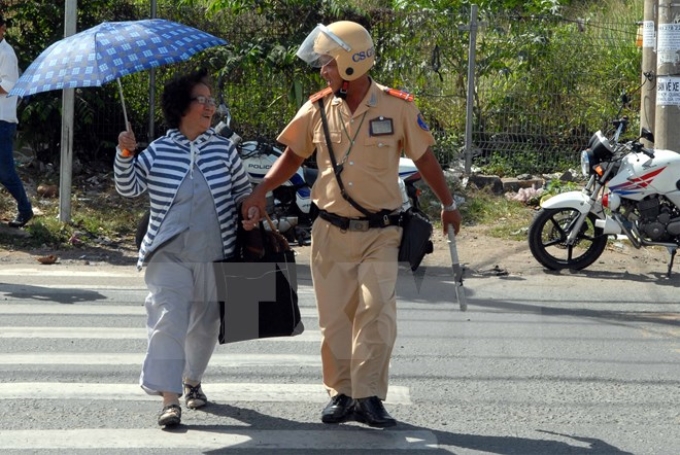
column 253, row 207
column 451, row 218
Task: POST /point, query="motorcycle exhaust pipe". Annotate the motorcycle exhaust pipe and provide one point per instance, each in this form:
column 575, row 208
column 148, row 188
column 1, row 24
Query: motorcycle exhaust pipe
column 608, row 225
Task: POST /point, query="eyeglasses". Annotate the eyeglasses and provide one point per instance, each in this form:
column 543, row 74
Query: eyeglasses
column 204, row 100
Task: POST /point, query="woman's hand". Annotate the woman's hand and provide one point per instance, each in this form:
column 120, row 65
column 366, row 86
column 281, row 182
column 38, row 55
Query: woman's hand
column 127, row 142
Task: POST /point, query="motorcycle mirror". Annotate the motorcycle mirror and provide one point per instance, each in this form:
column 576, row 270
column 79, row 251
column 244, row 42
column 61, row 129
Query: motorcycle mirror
column 646, row 134
column 223, row 111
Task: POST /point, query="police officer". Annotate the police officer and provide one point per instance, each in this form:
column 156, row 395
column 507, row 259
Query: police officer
column 353, row 256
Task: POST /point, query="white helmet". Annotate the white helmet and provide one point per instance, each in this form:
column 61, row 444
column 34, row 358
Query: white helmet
column 346, row 42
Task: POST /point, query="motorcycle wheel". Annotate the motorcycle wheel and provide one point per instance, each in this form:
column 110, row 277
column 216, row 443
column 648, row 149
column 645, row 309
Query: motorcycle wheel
column 548, row 235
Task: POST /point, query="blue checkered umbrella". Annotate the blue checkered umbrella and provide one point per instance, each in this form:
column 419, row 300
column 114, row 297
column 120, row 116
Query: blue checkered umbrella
column 109, row 51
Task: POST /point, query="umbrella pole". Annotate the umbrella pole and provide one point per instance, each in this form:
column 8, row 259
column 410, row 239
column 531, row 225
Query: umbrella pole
column 122, row 100
column 125, row 152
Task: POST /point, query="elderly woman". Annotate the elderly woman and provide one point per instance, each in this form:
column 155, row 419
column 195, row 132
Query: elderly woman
column 195, row 181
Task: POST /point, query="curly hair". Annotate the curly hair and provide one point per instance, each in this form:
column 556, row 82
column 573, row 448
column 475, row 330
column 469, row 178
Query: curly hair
column 177, row 95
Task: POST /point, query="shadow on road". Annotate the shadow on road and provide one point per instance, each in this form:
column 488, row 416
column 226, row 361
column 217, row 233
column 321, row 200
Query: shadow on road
column 403, row 434
column 43, row 294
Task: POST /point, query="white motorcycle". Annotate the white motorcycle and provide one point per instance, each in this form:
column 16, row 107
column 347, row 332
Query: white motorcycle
column 632, row 190
column 290, row 205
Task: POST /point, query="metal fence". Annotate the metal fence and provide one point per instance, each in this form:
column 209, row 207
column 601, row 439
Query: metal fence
column 543, row 85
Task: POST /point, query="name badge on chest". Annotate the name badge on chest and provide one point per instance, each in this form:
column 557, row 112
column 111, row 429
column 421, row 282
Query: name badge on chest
column 381, row 126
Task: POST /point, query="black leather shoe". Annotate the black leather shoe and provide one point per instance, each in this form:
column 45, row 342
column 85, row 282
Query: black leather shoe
column 21, row 219
column 338, row 410
column 372, row 412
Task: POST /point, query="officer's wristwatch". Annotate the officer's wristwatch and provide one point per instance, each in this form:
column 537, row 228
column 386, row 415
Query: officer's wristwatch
column 450, row 208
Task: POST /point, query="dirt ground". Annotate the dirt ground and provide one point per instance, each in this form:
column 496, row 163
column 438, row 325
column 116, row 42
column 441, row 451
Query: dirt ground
column 480, row 254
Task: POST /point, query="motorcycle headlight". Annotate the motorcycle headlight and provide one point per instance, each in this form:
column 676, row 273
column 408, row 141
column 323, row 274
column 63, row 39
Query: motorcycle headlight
column 600, row 147
column 586, row 166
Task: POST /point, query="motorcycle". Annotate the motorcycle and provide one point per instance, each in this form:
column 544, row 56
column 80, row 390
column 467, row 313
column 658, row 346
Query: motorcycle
column 632, row 190
column 290, row 205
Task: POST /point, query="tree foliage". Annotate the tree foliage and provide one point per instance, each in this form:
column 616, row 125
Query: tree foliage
column 519, row 6
column 534, row 93
column 35, row 26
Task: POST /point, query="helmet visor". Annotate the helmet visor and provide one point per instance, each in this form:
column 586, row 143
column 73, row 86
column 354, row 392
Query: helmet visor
column 321, row 47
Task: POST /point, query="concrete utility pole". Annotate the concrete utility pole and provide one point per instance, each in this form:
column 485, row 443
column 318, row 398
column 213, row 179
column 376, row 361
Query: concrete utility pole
column 648, row 91
column 667, row 118
column 68, row 98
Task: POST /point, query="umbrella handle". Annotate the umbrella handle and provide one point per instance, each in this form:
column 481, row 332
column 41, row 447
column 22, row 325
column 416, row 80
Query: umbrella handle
column 125, row 152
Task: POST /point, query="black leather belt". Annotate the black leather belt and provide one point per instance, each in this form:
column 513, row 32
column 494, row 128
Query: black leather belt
column 361, row 224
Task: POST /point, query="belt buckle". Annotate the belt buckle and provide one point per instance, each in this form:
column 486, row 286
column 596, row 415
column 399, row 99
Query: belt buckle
column 358, row 225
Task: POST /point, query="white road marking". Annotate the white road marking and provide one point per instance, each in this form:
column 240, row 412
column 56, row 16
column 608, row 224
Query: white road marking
column 215, row 438
column 92, row 310
column 110, row 333
column 46, row 271
column 311, row 393
column 217, row 360
column 66, row 309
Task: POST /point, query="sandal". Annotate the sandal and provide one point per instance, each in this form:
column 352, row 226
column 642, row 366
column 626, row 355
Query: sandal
column 170, row 416
column 194, row 396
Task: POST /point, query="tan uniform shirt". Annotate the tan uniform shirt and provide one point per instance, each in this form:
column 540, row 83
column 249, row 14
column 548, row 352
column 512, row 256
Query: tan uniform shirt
column 369, row 142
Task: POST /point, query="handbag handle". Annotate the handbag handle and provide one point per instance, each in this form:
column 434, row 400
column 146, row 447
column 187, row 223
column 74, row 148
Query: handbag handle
column 271, row 223
column 267, row 248
column 281, row 240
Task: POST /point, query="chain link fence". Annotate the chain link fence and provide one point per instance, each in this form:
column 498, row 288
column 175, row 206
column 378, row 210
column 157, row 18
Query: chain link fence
column 542, row 85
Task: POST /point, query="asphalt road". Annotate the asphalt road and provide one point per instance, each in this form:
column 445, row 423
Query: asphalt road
column 584, row 363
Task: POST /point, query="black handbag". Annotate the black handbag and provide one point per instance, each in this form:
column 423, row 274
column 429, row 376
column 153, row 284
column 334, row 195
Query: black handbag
column 415, row 239
column 257, row 288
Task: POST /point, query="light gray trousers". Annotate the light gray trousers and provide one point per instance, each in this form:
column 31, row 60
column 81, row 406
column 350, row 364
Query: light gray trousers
column 182, row 316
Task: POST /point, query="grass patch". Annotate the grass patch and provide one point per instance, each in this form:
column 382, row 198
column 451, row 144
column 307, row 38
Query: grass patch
column 102, row 218
column 99, row 216
column 504, row 218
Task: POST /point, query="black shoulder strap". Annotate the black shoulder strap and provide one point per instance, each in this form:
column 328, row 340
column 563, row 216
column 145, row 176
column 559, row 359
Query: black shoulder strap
column 337, row 169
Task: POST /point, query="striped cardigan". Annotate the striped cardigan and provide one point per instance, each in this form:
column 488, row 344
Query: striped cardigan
column 166, row 162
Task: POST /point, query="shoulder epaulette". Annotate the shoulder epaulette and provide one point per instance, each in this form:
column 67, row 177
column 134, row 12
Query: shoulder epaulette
column 320, row 94
column 399, row 94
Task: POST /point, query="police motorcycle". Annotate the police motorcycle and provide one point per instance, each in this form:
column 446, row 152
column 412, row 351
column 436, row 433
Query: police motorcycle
column 632, row 190
column 290, row 205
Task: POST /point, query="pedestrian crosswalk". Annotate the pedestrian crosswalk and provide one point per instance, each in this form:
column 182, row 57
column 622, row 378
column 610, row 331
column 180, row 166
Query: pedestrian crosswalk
column 262, row 441
column 78, row 363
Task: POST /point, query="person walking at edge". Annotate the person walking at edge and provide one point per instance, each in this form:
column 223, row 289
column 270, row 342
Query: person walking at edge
column 9, row 74
column 195, row 181
column 354, row 264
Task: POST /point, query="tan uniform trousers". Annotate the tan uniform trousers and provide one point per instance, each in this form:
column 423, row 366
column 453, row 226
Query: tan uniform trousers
column 355, row 276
